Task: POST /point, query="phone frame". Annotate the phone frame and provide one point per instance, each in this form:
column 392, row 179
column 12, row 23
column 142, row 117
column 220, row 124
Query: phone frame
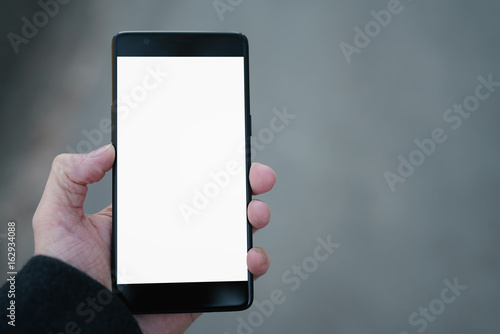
column 196, row 296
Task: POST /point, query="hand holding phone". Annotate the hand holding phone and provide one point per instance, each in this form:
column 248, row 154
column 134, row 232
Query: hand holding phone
column 63, row 231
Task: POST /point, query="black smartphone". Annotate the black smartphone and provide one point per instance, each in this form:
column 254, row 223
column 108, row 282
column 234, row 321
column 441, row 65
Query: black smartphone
column 181, row 129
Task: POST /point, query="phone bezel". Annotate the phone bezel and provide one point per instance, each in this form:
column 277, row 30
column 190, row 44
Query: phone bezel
column 196, row 296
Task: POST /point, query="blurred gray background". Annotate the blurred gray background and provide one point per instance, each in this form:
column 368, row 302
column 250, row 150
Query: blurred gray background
column 399, row 250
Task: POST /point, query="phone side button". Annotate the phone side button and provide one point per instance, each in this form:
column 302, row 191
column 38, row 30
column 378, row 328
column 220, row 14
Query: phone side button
column 250, row 125
column 112, row 125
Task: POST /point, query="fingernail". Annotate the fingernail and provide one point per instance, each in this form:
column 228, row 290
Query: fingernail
column 99, row 151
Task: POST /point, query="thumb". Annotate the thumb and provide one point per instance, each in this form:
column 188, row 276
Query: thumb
column 66, row 187
column 91, row 167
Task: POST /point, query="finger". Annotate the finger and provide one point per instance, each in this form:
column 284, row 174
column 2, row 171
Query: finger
column 262, row 178
column 258, row 261
column 258, row 214
column 67, row 184
column 93, row 165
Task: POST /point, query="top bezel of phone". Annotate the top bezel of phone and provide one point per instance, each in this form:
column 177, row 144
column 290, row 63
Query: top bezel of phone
column 180, row 44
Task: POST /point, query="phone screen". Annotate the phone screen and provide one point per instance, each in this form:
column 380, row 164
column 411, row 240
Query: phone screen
column 181, row 175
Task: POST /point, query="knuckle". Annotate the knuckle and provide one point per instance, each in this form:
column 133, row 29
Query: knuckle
column 61, row 161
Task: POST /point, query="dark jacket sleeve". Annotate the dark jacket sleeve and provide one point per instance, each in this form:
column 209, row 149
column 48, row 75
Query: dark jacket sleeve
column 54, row 297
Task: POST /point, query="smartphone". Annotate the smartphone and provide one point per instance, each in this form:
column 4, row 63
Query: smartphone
column 181, row 129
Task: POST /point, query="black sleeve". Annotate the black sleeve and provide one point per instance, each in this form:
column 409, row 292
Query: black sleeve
column 54, row 297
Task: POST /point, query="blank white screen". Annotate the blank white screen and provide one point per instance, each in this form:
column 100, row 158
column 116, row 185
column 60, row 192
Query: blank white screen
column 180, row 127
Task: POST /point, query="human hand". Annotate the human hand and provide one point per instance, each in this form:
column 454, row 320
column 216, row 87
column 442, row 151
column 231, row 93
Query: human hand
column 64, row 232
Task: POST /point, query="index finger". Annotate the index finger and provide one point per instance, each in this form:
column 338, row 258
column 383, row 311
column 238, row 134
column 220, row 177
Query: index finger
column 262, row 178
